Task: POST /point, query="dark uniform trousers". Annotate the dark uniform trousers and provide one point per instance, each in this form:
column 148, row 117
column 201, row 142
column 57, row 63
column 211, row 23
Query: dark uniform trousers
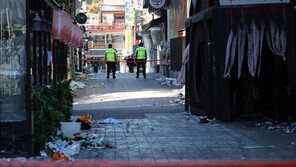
column 111, row 66
column 143, row 66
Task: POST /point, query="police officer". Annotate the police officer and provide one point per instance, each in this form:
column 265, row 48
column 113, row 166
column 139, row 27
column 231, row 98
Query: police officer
column 141, row 55
column 111, row 58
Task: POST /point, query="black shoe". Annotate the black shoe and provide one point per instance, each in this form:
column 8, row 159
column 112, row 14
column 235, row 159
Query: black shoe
column 114, row 77
column 107, row 77
column 137, row 77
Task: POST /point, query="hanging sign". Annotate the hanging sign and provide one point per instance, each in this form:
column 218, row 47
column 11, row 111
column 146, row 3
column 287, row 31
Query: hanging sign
column 81, row 18
column 58, row 24
column 249, row 2
column 128, row 40
column 128, row 11
column 66, row 28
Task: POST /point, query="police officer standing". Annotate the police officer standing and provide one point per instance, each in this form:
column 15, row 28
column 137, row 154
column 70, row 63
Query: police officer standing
column 141, row 55
column 111, row 58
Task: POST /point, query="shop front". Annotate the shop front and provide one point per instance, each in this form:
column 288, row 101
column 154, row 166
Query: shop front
column 14, row 100
column 242, row 59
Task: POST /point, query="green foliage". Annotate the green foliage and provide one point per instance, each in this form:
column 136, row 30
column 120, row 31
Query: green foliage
column 71, row 72
column 51, row 106
column 95, row 7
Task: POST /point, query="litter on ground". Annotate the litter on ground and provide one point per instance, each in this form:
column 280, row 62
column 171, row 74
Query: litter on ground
column 76, row 85
column 85, row 119
column 110, row 121
column 275, row 125
column 59, row 156
column 167, row 81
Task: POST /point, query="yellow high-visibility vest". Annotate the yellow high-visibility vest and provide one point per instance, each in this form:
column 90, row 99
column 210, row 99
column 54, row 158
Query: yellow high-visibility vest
column 110, row 54
column 141, row 53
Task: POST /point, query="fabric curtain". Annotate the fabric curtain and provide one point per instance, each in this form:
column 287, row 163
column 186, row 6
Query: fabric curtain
column 184, row 62
column 241, row 48
column 255, row 43
column 230, row 53
column 276, row 40
column 275, row 37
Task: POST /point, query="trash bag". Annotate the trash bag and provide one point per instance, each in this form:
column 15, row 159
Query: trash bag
column 85, row 119
column 84, row 125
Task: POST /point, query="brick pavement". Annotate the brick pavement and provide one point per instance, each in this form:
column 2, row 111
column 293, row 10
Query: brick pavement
column 154, row 130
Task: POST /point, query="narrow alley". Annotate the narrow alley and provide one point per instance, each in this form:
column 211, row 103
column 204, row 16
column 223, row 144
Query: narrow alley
column 147, row 83
column 154, row 130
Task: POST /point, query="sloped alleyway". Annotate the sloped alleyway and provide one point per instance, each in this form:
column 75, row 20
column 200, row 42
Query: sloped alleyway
column 155, row 130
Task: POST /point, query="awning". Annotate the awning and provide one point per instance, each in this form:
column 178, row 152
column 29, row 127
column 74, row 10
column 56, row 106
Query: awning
column 153, row 23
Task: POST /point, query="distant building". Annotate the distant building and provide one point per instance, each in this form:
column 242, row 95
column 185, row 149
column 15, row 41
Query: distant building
column 110, row 29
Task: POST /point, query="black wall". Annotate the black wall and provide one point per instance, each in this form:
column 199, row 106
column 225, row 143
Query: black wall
column 176, row 53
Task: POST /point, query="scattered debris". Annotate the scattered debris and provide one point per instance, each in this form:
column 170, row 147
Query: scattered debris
column 271, row 128
column 85, row 119
column 76, row 85
column 96, row 86
column 110, row 121
column 68, row 148
column 59, row 156
column 180, row 94
column 188, row 114
column 82, row 77
column 275, row 125
column 167, row 81
column 176, row 101
column 203, row 120
column 64, row 148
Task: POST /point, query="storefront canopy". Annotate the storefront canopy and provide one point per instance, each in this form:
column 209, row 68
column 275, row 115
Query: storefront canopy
column 153, row 23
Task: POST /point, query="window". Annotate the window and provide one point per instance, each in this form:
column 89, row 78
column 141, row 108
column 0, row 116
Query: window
column 13, row 61
column 117, row 39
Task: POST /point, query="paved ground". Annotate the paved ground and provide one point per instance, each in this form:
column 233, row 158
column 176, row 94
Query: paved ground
column 155, row 130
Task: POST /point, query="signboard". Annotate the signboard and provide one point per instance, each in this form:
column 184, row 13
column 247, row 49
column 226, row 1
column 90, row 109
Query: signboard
column 128, row 41
column 248, row 2
column 128, row 11
column 81, row 18
column 58, row 25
